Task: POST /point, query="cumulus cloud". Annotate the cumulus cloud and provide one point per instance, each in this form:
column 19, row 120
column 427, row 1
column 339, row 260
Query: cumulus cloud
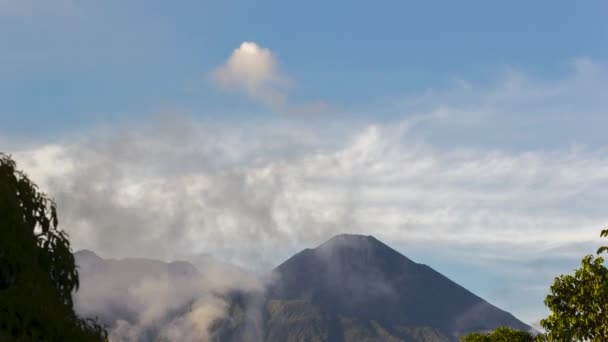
column 254, row 70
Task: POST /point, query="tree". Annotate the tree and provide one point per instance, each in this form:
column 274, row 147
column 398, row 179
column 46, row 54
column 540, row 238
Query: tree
column 502, row 334
column 37, row 269
column 579, row 303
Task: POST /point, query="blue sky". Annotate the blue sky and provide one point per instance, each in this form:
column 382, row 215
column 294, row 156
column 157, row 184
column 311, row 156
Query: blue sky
column 73, row 63
column 470, row 136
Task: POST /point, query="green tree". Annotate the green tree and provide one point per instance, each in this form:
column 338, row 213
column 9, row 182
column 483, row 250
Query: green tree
column 37, row 269
column 502, row 334
column 579, row 303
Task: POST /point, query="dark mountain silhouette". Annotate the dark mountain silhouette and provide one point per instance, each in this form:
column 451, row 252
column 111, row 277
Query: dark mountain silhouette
column 355, row 288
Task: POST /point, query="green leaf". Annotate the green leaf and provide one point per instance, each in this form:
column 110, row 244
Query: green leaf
column 37, row 270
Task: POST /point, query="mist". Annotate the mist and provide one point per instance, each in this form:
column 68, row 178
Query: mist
column 150, row 300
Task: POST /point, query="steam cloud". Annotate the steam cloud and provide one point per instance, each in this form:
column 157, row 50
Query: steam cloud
column 148, row 300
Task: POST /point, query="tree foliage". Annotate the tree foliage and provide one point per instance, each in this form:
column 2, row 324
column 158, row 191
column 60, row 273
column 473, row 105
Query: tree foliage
column 579, row 303
column 37, row 269
column 502, row 334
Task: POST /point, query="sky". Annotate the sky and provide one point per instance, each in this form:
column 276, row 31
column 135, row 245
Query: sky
column 469, row 136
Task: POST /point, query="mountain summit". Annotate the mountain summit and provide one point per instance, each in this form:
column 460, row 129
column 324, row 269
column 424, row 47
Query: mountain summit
column 358, row 279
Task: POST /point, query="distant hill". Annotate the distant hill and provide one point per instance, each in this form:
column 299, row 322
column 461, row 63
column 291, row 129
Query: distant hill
column 355, row 288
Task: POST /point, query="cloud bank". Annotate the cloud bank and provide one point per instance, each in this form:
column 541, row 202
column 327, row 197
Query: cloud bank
column 176, row 187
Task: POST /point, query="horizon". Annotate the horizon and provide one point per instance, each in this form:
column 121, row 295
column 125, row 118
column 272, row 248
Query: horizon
column 467, row 137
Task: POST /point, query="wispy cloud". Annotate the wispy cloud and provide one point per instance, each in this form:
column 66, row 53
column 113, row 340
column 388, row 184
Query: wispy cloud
column 517, row 112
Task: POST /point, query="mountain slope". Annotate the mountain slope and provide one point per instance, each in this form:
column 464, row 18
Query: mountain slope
column 355, row 288
column 360, row 277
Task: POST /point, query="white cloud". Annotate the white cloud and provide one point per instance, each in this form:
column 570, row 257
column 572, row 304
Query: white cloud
column 518, row 112
column 255, row 71
column 184, row 194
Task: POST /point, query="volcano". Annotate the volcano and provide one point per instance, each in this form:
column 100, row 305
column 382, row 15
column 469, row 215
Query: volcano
column 356, row 288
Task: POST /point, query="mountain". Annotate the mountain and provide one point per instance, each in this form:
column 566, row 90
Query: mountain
column 129, row 270
column 350, row 288
column 355, row 288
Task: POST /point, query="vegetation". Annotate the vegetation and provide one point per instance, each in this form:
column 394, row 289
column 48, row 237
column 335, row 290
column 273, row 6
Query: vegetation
column 503, row 334
column 302, row 320
column 37, row 269
column 579, row 303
